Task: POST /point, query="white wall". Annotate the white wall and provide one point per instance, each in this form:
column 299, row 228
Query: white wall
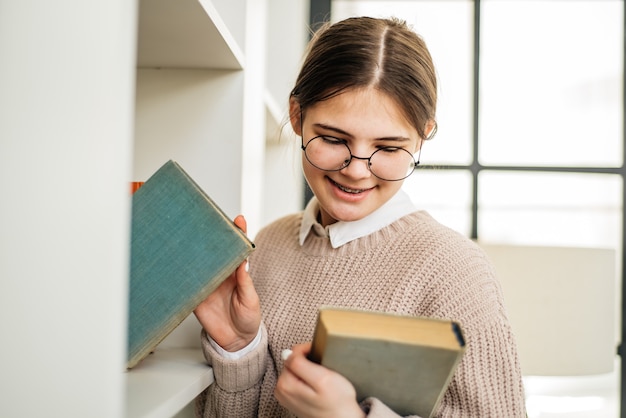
column 66, row 79
column 287, row 35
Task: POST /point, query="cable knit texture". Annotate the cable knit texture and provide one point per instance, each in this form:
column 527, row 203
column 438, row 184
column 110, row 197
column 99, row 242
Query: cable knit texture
column 414, row 266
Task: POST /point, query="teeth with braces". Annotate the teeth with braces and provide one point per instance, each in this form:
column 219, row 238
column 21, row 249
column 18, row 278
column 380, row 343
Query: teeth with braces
column 348, row 190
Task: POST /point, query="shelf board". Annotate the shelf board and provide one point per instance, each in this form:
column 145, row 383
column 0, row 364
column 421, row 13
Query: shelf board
column 165, row 382
column 185, row 34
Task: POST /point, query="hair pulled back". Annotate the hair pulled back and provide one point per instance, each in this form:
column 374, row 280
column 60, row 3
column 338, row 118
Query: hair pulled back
column 363, row 52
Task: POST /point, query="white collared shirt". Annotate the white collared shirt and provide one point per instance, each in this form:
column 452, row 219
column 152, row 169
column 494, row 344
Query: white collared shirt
column 341, row 232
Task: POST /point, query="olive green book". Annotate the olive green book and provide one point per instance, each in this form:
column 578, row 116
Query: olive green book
column 405, row 361
column 183, row 246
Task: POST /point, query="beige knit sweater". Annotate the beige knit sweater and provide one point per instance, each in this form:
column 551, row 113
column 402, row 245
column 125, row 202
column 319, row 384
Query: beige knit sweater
column 413, row 266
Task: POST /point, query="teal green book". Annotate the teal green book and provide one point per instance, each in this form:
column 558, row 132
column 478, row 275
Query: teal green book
column 183, row 246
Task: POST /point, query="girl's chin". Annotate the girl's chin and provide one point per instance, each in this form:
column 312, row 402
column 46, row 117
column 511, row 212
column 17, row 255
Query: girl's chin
column 344, row 215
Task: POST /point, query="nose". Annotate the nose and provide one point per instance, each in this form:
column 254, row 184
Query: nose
column 359, row 167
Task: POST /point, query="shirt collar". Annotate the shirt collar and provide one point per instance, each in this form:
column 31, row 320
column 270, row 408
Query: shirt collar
column 341, row 232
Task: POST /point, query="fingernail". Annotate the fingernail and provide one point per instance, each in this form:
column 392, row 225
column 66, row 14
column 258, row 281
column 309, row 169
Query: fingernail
column 285, row 354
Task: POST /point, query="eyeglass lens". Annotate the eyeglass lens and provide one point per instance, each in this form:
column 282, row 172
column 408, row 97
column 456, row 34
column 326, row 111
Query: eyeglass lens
column 331, row 154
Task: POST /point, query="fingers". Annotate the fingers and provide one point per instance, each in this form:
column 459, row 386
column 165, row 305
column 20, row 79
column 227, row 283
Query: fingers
column 241, row 273
column 310, row 390
column 243, row 279
column 301, row 367
column 241, row 223
column 291, row 389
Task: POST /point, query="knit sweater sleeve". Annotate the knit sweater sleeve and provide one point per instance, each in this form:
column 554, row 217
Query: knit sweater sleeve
column 237, row 385
column 488, row 381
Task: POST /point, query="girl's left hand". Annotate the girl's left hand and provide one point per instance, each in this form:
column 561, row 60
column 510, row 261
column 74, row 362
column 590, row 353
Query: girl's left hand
column 310, row 390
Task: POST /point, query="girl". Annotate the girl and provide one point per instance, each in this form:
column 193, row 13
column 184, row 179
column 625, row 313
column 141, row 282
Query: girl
column 363, row 104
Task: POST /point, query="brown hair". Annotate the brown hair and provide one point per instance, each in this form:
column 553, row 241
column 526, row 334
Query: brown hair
column 364, row 52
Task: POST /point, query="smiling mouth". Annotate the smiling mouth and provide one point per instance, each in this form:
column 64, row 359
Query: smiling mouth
column 347, row 189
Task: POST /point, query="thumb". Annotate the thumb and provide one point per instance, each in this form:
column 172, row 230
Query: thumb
column 244, row 281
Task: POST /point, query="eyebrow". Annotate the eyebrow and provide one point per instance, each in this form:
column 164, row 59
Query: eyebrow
column 344, row 133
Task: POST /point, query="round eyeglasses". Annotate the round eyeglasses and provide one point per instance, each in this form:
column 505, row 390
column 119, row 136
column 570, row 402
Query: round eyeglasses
column 333, row 154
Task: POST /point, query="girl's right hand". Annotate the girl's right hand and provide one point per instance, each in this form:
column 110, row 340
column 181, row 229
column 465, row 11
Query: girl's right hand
column 310, row 390
column 231, row 315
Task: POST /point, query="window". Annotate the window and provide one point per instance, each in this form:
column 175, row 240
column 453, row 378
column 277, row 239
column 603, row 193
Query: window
column 530, row 142
column 532, row 129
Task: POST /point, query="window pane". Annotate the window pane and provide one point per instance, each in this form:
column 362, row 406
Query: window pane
column 447, row 29
column 445, row 194
column 550, row 208
column 551, row 83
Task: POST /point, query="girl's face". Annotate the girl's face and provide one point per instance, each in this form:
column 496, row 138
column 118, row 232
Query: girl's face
column 366, row 120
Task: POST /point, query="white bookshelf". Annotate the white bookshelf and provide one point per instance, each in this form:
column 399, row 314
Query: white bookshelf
column 186, row 34
column 165, row 382
column 194, row 103
column 191, row 95
column 96, row 94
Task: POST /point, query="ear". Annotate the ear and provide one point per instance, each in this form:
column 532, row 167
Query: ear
column 294, row 115
column 430, row 129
